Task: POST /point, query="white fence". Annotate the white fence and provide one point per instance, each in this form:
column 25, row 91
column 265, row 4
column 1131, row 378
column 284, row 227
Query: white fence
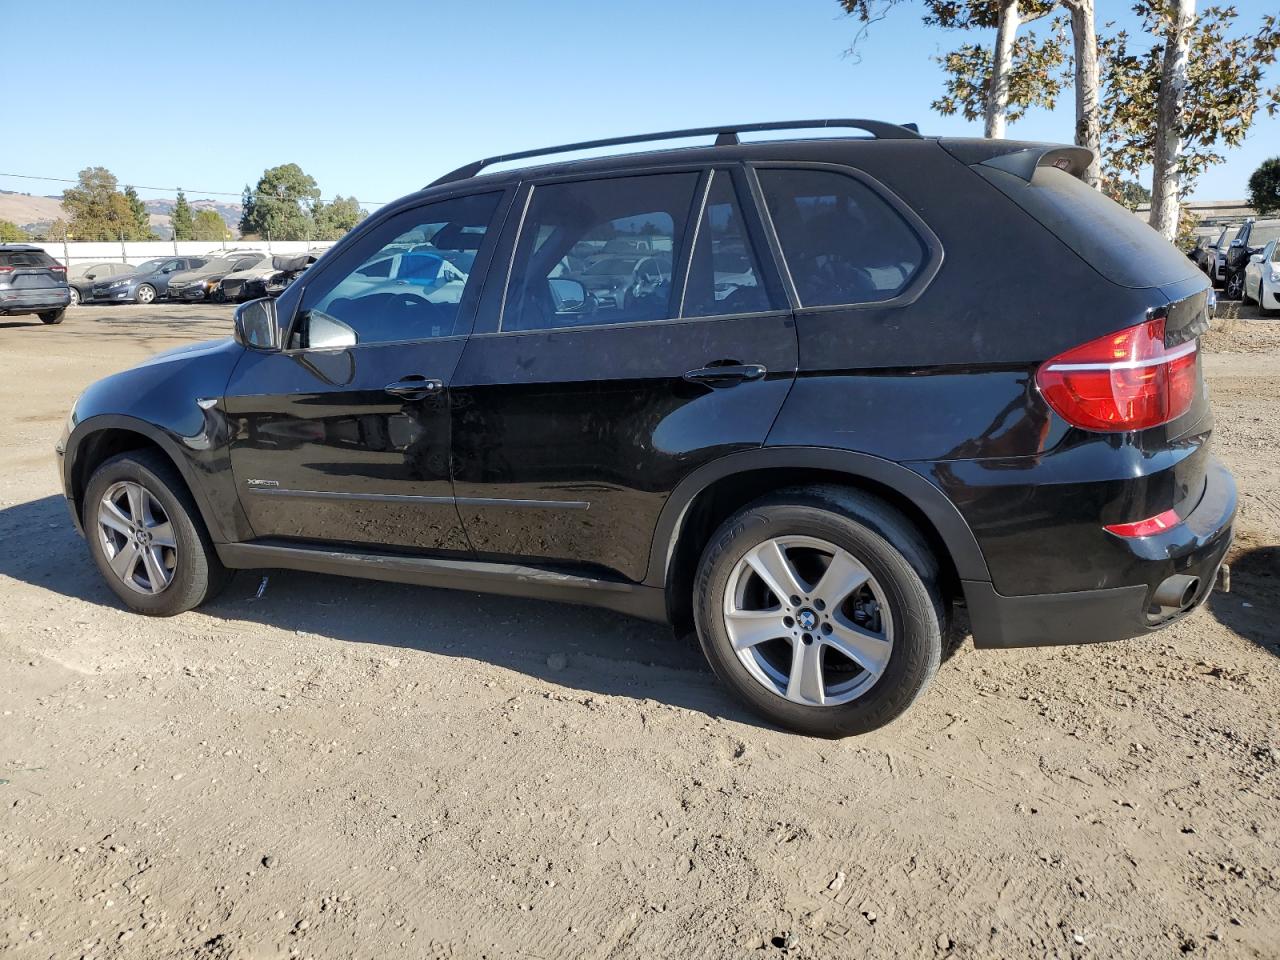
column 136, row 252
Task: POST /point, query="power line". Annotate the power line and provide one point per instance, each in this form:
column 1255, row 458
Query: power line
column 174, row 190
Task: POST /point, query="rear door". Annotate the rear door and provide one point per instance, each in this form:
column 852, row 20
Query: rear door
column 344, row 435
column 577, row 406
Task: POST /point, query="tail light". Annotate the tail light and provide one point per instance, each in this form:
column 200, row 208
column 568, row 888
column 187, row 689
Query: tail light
column 6, row 269
column 1128, row 380
column 57, row 268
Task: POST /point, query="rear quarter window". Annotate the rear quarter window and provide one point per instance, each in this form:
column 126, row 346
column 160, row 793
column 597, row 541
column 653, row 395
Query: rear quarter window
column 843, row 244
column 1118, row 244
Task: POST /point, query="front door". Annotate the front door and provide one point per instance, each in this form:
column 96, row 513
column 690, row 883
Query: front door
column 614, row 363
column 344, row 435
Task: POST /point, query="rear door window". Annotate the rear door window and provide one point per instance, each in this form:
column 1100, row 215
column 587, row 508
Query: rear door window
column 843, row 243
column 599, row 252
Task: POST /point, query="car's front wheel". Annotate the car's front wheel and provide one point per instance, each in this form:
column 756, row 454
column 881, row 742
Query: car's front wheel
column 147, row 538
column 53, row 316
column 821, row 607
column 146, row 294
column 75, row 298
column 1235, row 286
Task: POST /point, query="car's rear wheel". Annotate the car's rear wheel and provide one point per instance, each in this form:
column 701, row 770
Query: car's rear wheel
column 821, row 607
column 75, row 298
column 52, row 316
column 147, row 538
column 1235, row 286
column 146, row 293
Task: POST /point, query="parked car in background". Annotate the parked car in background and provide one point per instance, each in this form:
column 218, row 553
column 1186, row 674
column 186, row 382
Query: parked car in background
column 200, row 282
column 1198, row 253
column 234, row 287
column 1218, row 266
column 31, row 281
column 1254, row 235
column 146, row 283
column 813, row 470
column 81, row 277
column 1262, row 277
column 287, row 268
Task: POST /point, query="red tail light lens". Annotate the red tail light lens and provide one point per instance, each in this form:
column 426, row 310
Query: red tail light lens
column 1128, row 380
column 1146, row 528
column 6, row 269
column 58, row 267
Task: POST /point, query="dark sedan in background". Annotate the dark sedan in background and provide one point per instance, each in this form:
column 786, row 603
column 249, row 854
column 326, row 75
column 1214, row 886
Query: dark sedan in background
column 147, row 283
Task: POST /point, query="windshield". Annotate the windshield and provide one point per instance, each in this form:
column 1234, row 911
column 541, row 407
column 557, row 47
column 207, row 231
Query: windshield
column 151, row 266
column 1264, row 233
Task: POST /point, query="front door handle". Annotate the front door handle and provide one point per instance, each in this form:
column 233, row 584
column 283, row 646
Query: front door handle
column 414, row 387
column 727, row 374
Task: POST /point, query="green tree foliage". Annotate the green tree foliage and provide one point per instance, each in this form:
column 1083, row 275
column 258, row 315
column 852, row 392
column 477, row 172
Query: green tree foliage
column 141, row 222
column 207, row 225
column 99, row 211
column 180, row 219
column 54, row 231
column 333, row 220
column 246, row 212
column 11, row 232
column 282, row 205
column 1036, row 76
column 1225, row 88
column 1130, row 193
column 1264, row 188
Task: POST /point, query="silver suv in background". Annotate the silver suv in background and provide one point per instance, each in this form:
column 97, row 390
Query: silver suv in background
column 31, row 281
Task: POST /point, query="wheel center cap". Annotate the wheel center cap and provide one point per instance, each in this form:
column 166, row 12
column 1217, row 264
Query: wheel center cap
column 807, row 619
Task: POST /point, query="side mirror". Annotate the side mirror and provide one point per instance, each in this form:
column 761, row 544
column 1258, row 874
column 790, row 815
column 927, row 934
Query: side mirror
column 1256, row 258
column 568, row 295
column 256, row 325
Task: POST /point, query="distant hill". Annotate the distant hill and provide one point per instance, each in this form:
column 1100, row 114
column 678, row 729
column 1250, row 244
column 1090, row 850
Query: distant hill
column 29, row 211
column 23, row 208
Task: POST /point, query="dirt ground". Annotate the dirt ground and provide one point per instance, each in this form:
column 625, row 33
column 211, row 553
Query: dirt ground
column 350, row 769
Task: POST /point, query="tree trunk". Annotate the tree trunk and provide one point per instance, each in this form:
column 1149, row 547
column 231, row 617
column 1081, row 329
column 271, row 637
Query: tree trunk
column 1088, row 132
column 1166, row 180
column 1001, row 66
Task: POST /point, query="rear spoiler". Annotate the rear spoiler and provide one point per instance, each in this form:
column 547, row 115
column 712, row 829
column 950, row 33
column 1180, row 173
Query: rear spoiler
column 1019, row 158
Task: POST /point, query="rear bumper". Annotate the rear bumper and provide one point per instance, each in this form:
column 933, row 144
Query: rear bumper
column 1194, row 548
column 34, row 301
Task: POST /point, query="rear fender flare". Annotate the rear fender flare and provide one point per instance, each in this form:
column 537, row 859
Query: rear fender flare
column 959, row 540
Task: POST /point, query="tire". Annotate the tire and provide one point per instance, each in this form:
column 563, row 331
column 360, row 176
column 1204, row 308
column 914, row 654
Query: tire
column 902, row 598
column 145, row 294
column 75, row 298
column 1234, row 289
column 183, row 552
column 53, row 316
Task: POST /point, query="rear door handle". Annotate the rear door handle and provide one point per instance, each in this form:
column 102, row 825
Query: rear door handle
column 726, row 375
column 414, row 387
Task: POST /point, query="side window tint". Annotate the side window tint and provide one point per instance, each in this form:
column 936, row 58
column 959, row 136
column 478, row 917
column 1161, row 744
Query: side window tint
column 609, row 246
column 724, row 275
column 842, row 242
column 403, row 280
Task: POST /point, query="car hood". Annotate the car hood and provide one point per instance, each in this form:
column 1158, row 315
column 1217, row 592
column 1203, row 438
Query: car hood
column 191, row 351
column 198, row 273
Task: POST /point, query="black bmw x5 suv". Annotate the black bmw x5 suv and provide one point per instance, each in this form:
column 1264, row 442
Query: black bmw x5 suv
column 812, row 418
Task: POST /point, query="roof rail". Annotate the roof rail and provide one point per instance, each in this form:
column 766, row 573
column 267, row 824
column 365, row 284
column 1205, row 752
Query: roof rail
column 725, row 136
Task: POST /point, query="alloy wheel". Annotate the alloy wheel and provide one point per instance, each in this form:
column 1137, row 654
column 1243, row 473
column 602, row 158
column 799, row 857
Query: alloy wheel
column 137, row 537
column 1235, row 286
column 75, row 297
column 145, row 294
column 808, row 621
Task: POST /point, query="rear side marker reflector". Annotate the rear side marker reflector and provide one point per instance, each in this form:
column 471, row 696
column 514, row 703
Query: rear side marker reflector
column 1145, row 528
column 1128, row 380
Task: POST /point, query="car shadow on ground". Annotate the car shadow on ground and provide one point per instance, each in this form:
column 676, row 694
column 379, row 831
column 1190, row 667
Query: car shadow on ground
column 595, row 651
column 1252, row 608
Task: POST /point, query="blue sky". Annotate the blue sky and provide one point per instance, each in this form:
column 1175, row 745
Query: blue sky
column 378, row 98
